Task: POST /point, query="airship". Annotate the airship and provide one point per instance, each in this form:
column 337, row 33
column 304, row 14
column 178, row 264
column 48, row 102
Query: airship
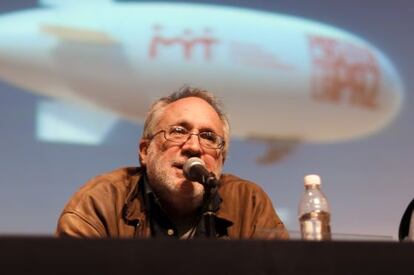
column 281, row 78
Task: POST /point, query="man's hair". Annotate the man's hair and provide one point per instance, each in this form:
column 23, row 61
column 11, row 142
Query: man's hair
column 158, row 107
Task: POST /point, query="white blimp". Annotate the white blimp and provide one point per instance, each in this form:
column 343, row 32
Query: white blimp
column 281, row 78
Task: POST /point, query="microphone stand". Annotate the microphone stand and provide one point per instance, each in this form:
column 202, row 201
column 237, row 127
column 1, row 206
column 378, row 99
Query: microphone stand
column 208, row 213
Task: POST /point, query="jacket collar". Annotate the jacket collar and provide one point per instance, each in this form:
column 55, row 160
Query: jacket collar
column 134, row 207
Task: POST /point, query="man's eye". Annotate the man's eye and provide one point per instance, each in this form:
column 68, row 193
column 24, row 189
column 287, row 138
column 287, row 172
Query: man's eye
column 178, row 131
column 210, row 136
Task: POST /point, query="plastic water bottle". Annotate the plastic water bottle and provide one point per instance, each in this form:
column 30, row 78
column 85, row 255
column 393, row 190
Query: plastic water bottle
column 314, row 213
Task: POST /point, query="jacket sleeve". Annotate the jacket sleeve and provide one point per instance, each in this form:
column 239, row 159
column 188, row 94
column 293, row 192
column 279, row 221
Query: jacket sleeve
column 249, row 209
column 266, row 223
column 73, row 224
column 88, row 214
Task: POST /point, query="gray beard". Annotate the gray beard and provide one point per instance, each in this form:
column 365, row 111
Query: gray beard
column 169, row 193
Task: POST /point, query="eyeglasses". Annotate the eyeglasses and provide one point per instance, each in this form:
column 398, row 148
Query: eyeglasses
column 179, row 135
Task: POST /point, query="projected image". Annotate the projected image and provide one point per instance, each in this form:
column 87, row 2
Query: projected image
column 303, row 96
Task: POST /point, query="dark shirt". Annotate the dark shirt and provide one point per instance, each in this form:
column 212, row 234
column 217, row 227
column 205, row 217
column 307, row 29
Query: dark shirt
column 162, row 226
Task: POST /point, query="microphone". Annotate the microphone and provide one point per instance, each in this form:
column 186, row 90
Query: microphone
column 194, row 170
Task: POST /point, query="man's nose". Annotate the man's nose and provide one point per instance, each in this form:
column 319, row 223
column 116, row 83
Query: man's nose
column 192, row 146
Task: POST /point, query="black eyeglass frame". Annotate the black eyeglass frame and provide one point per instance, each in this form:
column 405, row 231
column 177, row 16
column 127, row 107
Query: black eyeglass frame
column 220, row 146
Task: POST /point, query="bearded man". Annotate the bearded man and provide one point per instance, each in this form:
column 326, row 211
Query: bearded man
column 156, row 199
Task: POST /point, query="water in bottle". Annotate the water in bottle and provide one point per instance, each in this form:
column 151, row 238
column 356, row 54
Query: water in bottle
column 314, row 213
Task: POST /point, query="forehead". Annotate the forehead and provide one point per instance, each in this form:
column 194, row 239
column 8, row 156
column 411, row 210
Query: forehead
column 192, row 112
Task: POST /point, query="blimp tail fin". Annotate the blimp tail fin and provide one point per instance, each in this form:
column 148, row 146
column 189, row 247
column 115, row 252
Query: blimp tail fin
column 60, row 3
column 61, row 122
column 276, row 149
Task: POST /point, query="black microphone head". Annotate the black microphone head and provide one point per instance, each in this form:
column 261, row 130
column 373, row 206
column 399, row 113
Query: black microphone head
column 189, row 164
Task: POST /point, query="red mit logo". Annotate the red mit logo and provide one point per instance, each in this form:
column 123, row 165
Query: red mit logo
column 343, row 73
column 186, row 41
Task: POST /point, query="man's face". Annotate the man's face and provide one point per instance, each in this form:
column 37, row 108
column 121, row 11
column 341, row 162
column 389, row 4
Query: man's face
column 164, row 160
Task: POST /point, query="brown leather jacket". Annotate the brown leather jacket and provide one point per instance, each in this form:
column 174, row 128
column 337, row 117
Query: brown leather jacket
column 110, row 205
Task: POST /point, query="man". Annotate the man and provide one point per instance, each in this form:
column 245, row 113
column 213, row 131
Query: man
column 156, row 200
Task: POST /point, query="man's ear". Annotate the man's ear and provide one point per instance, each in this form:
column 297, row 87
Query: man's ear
column 143, row 151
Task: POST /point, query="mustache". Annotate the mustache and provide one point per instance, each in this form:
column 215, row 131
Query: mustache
column 178, row 163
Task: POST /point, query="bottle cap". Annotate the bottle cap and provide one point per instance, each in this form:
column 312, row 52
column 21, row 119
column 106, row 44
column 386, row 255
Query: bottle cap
column 312, row 180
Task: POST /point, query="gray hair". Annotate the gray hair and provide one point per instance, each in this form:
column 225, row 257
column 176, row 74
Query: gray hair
column 158, row 107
